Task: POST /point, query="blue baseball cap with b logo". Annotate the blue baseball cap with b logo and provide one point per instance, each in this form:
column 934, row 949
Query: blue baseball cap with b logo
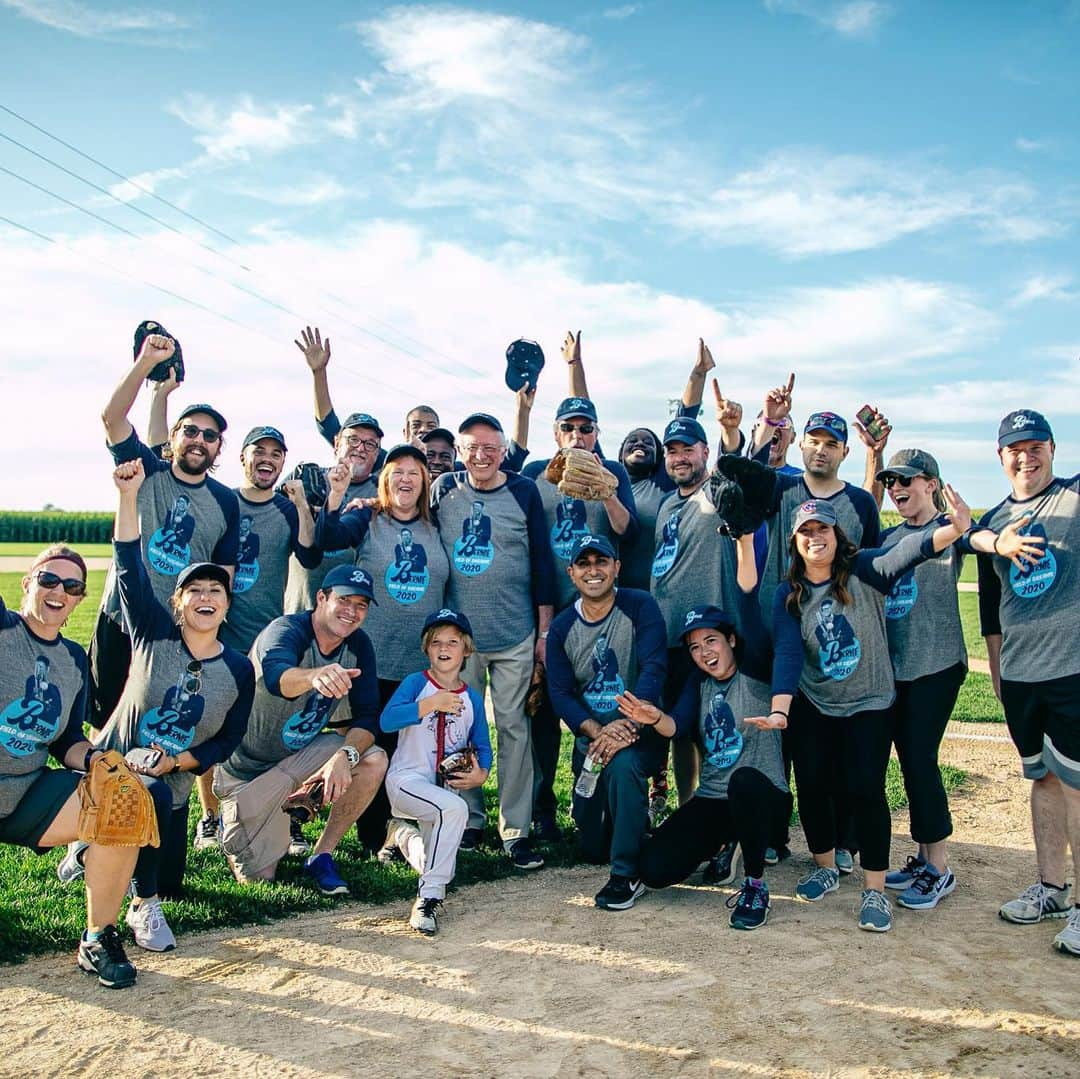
column 685, row 430
column 350, row 581
column 1024, row 425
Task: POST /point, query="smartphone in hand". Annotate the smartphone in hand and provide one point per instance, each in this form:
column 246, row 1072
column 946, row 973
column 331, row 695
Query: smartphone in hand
column 142, row 760
column 875, row 427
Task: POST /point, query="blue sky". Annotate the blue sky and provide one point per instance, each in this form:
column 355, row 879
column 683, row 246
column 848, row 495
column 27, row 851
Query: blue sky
column 878, row 196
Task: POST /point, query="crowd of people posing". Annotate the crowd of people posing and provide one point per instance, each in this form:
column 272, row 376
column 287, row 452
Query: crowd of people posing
column 344, row 638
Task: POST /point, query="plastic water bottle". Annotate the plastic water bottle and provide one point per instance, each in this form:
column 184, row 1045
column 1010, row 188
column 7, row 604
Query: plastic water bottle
column 590, row 776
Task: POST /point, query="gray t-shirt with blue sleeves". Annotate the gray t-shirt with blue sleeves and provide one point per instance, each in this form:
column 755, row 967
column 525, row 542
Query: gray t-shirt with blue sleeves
column 179, row 523
column 693, row 564
column 411, row 572
column 569, row 519
column 636, row 555
column 170, row 698
column 922, row 610
column 42, row 704
column 497, row 545
column 268, row 536
column 1037, row 610
column 305, row 580
column 280, row 726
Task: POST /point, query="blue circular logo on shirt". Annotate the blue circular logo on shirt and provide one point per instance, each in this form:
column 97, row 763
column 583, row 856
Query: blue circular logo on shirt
column 668, row 548
column 32, row 721
column 247, row 573
column 1037, row 577
column 570, row 525
column 301, row 727
column 902, row 596
column 723, row 741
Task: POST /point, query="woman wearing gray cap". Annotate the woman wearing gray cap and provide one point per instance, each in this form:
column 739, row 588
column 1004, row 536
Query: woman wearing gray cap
column 184, row 707
column 833, row 682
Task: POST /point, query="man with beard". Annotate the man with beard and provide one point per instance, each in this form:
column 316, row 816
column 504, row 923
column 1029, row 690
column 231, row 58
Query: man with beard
column 185, row 516
column 272, row 526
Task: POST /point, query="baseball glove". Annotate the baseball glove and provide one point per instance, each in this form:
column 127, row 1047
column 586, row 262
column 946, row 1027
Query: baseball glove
column 305, row 802
column 161, row 370
column 456, row 763
column 115, row 809
column 578, row 474
column 534, row 699
column 742, row 492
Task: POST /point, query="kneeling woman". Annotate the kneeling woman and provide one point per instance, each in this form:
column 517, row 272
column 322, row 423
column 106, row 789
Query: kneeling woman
column 187, row 696
column 833, row 683
column 435, row 715
column 742, row 794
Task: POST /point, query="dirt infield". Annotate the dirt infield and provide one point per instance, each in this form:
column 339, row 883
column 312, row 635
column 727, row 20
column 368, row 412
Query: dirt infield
column 528, row 979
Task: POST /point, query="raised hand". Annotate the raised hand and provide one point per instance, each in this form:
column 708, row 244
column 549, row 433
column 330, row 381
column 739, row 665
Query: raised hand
column 167, row 384
column 316, row 351
column 705, row 362
column 571, row 347
column 1019, row 549
column 728, row 412
column 868, row 440
column 156, row 349
column 956, row 509
column 778, row 401
column 129, row 477
column 338, row 478
column 294, row 491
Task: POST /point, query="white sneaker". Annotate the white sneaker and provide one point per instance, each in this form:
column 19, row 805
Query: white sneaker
column 425, row 915
column 71, row 866
column 1068, row 940
column 1035, row 903
column 299, row 847
column 207, row 833
column 147, row 922
column 398, row 834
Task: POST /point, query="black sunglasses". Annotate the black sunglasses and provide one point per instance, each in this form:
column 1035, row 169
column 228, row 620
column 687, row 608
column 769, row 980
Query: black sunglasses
column 72, row 585
column 210, row 436
column 891, row 481
column 584, row 428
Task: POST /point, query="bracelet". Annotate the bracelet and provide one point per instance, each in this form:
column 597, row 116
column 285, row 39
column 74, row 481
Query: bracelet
column 777, row 712
column 996, row 538
column 86, row 760
column 773, row 423
column 175, row 765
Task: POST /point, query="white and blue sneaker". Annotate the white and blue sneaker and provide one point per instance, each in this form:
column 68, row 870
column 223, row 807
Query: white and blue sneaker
column 927, row 890
column 875, row 914
column 1036, row 902
column 147, row 921
column 899, row 879
column 823, row 880
column 845, row 860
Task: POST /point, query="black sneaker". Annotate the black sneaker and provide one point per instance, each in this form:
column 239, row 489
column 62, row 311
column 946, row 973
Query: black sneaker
column 545, row 830
column 751, row 905
column 620, row 893
column 523, row 856
column 721, row 867
column 105, row 957
column 471, row 839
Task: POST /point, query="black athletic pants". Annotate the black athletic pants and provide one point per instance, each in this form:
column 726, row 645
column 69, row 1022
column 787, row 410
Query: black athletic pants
column 546, row 742
column 160, row 870
column 920, row 715
column 371, row 824
column 852, row 751
column 701, row 826
column 109, row 658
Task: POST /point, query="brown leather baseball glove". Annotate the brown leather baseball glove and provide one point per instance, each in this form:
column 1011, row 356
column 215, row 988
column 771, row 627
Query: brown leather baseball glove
column 579, row 474
column 115, row 809
column 305, row 802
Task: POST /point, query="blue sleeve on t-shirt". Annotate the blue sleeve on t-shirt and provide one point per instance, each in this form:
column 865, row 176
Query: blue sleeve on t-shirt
column 478, row 733
column 401, row 710
column 308, row 557
column 144, row 617
column 650, row 641
column 541, row 569
column 72, row 734
column 133, row 449
column 688, row 706
column 227, row 549
column 282, row 645
column 364, row 692
column 328, row 426
column 221, row 746
column 334, row 530
column 787, row 644
column 562, row 684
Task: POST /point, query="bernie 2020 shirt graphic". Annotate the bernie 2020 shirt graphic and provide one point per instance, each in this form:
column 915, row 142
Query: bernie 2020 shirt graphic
column 172, row 724
column 668, row 550
column 723, row 742
column 474, row 552
column 570, row 525
column 406, row 578
column 169, row 550
column 606, row 683
column 902, row 596
column 838, row 648
column 32, row 720
column 1037, row 577
column 247, row 560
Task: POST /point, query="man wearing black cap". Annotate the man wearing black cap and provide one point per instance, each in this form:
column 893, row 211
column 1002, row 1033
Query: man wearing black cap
column 314, row 671
column 438, row 447
column 568, row 519
column 496, row 538
column 610, row 642
column 1030, row 613
column 185, row 516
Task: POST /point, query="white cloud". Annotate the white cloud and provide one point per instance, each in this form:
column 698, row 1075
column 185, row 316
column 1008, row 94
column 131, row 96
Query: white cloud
column 85, row 21
column 317, row 191
column 1044, row 287
column 147, row 182
column 234, row 132
column 624, row 11
column 1032, row 146
column 851, row 18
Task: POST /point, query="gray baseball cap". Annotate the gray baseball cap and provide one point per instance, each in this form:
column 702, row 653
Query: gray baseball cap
column 911, row 463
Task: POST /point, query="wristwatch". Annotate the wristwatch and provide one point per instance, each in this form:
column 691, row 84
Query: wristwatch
column 352, row 755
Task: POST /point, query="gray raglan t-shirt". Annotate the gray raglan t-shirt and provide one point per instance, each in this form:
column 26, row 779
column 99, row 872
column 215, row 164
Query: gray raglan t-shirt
column 922, row 610
column 636, row 556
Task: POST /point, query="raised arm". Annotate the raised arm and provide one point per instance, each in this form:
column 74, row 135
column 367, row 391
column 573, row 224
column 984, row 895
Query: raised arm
column 695, row 384
column 157, row 430
column 523, row 403
column 128, row 478
column 571, row 351
column 317, row 354
column 875, row 454
column 776, row 409
column 156, row 349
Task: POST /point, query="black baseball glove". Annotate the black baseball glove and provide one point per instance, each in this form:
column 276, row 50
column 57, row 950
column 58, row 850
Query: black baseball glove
column 742, row 492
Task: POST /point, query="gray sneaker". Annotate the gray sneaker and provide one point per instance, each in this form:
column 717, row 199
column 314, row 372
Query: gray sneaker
column 1068, row 940
column 875, row 914
column 845, row 862
column 1035, row 903
column 71, row 866
column 823, row 880
column 147, row 922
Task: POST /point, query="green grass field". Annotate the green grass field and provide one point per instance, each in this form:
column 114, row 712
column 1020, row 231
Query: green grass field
column 28, row 550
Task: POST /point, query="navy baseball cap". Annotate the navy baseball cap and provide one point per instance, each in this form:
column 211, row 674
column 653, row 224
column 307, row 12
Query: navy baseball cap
column 576, row 406
column 350, row 581
column 213, row 413
column 362, row 419
column 600, row 544
column 524, row 362
column 447, row 617
column 706, row 617
column 479, row 417
column 684, row 429
column 827, row 421
column 1024, row 425
column 437, row 432
column 405, row 449
column 911, row 463
column 257, row 433
column 814, row 510
column 204, row 571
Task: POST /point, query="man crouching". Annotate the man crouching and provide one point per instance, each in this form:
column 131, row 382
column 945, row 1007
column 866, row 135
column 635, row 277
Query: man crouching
column 314, row 670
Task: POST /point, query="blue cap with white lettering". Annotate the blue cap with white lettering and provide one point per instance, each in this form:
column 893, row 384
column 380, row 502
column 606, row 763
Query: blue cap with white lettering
column 350, row 581
column 600, row 544
column 1024, row 425
column 685, row 430
column 447, row 617
column 707, row 617
column 576, row 406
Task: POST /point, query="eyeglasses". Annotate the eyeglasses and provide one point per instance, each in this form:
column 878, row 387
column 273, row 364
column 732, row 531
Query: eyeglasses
column 891, row 481
column 355, row 440
column 209, row 435
column 582, row 428
column 72, row 585
column 481, row 449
